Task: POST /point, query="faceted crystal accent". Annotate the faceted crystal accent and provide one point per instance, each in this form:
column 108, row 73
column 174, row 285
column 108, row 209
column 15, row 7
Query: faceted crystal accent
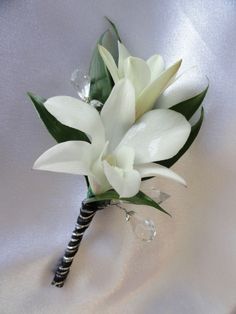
column 143, row 228
column 158, row 196
column 81, row 83
column 153, row 192
column 96, row 104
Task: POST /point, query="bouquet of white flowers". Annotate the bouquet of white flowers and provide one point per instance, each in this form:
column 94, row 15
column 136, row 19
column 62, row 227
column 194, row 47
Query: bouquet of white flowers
column 117, row 134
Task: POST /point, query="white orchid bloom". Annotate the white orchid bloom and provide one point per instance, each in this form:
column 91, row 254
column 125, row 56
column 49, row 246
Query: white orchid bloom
column 149, row 78
column 121, row 151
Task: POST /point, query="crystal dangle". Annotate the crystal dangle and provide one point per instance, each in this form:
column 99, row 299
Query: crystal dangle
column 96, row 104
column 81, row 83
column 157, row 195
column 143, row 228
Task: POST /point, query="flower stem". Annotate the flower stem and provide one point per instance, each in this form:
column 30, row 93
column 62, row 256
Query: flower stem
column 87, row 212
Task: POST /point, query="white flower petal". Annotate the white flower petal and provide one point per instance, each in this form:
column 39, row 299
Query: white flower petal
column 78, row 115
column 125, row 157
column 156, row 65
column 150, row 94
column 73, row 157
column 153, row 170
column 109, row 62
column 138, row 72
column 97, row 179
column 99, row 184
column 186, row 86
column 123, row 54
column 125, row 182
column 118, row 113
column 159, row 134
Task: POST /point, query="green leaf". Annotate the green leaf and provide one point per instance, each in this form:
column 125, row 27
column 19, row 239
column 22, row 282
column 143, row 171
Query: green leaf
column 114, row 28
column 193, row 134
column 101, row 81
column 190, row 106
column 60, row 132
column 109, row 41
column 138, row 199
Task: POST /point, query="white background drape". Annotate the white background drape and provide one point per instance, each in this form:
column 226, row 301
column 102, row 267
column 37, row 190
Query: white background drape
column 190, row 267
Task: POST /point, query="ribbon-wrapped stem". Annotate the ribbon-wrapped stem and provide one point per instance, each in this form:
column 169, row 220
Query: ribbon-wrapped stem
column 87, row 212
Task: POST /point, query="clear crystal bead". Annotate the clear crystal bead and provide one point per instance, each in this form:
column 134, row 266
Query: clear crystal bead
column 144, row 228
column 153, row 192
column 96, row 104
column 158, row 196
column 81, row 83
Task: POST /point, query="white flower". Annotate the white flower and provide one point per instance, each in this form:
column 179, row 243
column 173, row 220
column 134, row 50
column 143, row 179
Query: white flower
column 149, row 78
column 121, row 151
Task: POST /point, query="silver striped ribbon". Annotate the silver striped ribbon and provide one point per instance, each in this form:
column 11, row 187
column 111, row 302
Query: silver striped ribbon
column 87, row 212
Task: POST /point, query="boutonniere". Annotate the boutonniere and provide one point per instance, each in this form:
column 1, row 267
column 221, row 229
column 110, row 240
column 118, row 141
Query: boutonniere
column 117, row 134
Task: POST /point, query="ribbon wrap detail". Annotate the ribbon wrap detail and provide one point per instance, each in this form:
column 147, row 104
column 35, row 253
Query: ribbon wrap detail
column 87, row 212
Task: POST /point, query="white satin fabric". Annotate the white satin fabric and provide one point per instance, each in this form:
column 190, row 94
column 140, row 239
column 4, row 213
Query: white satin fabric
column 190, row 267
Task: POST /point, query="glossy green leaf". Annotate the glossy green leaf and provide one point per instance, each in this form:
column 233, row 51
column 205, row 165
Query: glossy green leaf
column 60, row 132
column 193, row 134
column 101, row 81
column 139, row 199
column 110, row 42
column 114, row 28
column 190, row 106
